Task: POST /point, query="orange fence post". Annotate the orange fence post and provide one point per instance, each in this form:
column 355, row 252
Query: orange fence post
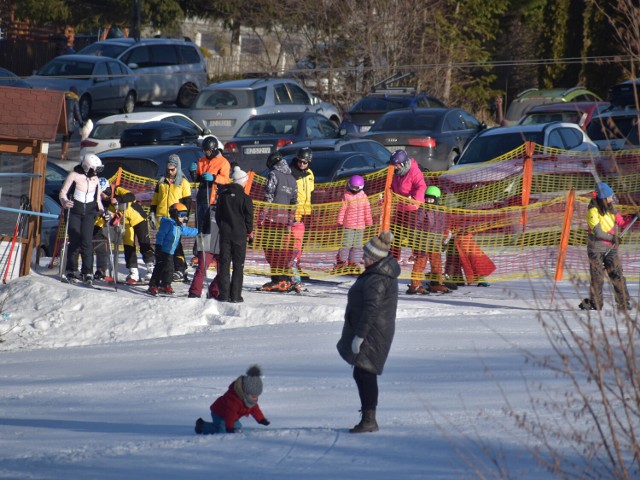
column 247, row 187
column 385, row 220
column 527, row 174
column 564, row 239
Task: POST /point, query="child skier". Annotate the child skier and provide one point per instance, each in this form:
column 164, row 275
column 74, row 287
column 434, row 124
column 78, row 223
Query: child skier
column 604, row 225
column 167, row 239
column 240, row 400
column 354, row 216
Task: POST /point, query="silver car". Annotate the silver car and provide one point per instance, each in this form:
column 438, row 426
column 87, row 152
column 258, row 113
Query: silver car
column 103, row 83
column 224, row 107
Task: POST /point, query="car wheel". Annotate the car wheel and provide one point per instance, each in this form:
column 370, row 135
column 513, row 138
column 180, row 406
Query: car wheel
column 451, row 160
column 129, row 103
column 85, row 107
column 187, row 94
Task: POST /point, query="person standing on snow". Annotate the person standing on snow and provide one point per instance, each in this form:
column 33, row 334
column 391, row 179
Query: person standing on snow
column 80, row 196
column 234, row 217
column 408, row 181
column 74, row 119
column 430, row 238
column 172, row 188
column 122, row 203
column 240, row 400
column 354, row 217
column 210, row 172
column 281, row 190
column 305, row 180
column 172, row 228
column 369, row 324
column 604, row 225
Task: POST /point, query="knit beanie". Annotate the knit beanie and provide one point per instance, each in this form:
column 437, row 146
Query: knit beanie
column 378, row 247
column 604, row 190
column 251, row 382
column 239, row 176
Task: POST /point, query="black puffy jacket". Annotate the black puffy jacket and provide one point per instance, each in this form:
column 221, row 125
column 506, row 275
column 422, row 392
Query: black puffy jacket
column 371, row 315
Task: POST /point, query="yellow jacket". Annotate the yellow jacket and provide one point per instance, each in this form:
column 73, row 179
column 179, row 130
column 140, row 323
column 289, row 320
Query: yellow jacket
column 167, row 193
column 306, row 185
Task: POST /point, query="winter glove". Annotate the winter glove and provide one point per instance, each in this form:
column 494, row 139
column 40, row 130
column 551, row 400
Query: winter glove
column 250, row 238
column 106, row 215
column 153, row 221
column 68, row 204
column 264, row 422
column 207, row 177
column 355, row 344
column 193, row 167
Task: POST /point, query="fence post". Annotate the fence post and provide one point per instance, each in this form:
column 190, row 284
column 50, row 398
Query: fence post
column 385, row 220
column 564, row 239
column 527, row 174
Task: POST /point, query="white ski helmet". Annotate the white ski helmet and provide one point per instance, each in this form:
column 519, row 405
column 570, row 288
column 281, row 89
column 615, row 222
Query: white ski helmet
column 91, row 161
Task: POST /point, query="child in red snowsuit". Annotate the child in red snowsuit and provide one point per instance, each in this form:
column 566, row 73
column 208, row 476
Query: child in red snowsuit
column 240, row 400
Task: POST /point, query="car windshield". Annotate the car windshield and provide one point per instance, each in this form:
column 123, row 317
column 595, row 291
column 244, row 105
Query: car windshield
column 488, row 147
column 605, row 128
column 109, row 130
column 404, row 122
column 517, row 109
column 231, row 98
column 103, row 50
column 383, row 104
column 66, row 67
column 546, row 117
column 268, row 127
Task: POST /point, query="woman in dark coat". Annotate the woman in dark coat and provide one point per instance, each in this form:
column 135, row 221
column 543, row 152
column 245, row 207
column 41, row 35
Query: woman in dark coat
column 369, row 324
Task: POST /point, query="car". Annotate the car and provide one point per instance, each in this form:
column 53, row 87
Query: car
column 495, row 142
column 615, row 129
column 580, row 113
column 167, row 70
column 148, row 161
column 49, row 226
column 359, row 119
column 10, row 79
column 341, row 144
column 55, row 176
column 262, row 135
column 474, row 181
column 106, row 131
column 103, row 83
column 158, row 133
column 223, row 107
column 625, row 94
column 433, row 136
column 331, row 165
column 533, row 96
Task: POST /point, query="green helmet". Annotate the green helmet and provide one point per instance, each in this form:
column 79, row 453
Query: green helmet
column 433, row 191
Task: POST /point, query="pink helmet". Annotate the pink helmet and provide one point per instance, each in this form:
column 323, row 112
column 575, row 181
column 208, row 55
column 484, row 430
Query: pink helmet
column 356, row 183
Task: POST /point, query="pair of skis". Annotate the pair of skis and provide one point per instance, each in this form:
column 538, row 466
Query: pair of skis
column 22, row 223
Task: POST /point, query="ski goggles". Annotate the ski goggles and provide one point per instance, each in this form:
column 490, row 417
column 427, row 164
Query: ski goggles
column 183, row 215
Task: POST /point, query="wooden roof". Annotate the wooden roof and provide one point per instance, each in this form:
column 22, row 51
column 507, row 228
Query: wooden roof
column 30, row 114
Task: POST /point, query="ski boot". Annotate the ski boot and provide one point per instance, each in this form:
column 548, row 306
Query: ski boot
column 167, row 290
column 147, row 275
column 587, row 304
column 87, row 278
column 439, row 288
column 70, row 277
column 417, row 290
column 153, row 291
column 133, row 277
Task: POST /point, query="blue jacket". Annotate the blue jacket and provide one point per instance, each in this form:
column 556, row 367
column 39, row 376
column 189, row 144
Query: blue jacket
column 169, row 233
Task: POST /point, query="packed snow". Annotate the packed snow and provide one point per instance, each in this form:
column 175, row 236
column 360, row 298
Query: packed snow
column 101, row 384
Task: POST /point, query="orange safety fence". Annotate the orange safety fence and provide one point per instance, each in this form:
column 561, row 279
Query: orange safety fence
column 483, row 206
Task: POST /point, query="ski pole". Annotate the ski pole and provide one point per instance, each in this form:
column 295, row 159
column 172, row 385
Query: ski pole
column 63, row 255
column 110, row 255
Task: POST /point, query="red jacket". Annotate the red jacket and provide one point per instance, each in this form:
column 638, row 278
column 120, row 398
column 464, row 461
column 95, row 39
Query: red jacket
column 231, row 407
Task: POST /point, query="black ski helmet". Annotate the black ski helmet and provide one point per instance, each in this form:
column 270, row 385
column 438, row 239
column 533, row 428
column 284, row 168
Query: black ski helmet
column 305, row 154
column 210, row 144
column 273, row 159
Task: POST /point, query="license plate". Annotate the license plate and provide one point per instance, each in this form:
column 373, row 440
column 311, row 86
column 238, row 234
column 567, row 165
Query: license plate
column 221, row 123
column 365, row 128
column 393, row 148
column 256, row 150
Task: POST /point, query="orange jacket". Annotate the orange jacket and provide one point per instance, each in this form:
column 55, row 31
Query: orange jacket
column 219, row 167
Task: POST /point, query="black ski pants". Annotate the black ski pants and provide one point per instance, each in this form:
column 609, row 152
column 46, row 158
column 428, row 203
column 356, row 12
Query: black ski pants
column 232, row 251
column 82, row 218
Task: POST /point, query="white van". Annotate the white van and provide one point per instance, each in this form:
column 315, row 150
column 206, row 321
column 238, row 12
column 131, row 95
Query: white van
column 167, row 70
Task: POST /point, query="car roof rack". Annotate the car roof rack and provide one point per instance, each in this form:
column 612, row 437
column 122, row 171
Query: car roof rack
column 383, row 86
